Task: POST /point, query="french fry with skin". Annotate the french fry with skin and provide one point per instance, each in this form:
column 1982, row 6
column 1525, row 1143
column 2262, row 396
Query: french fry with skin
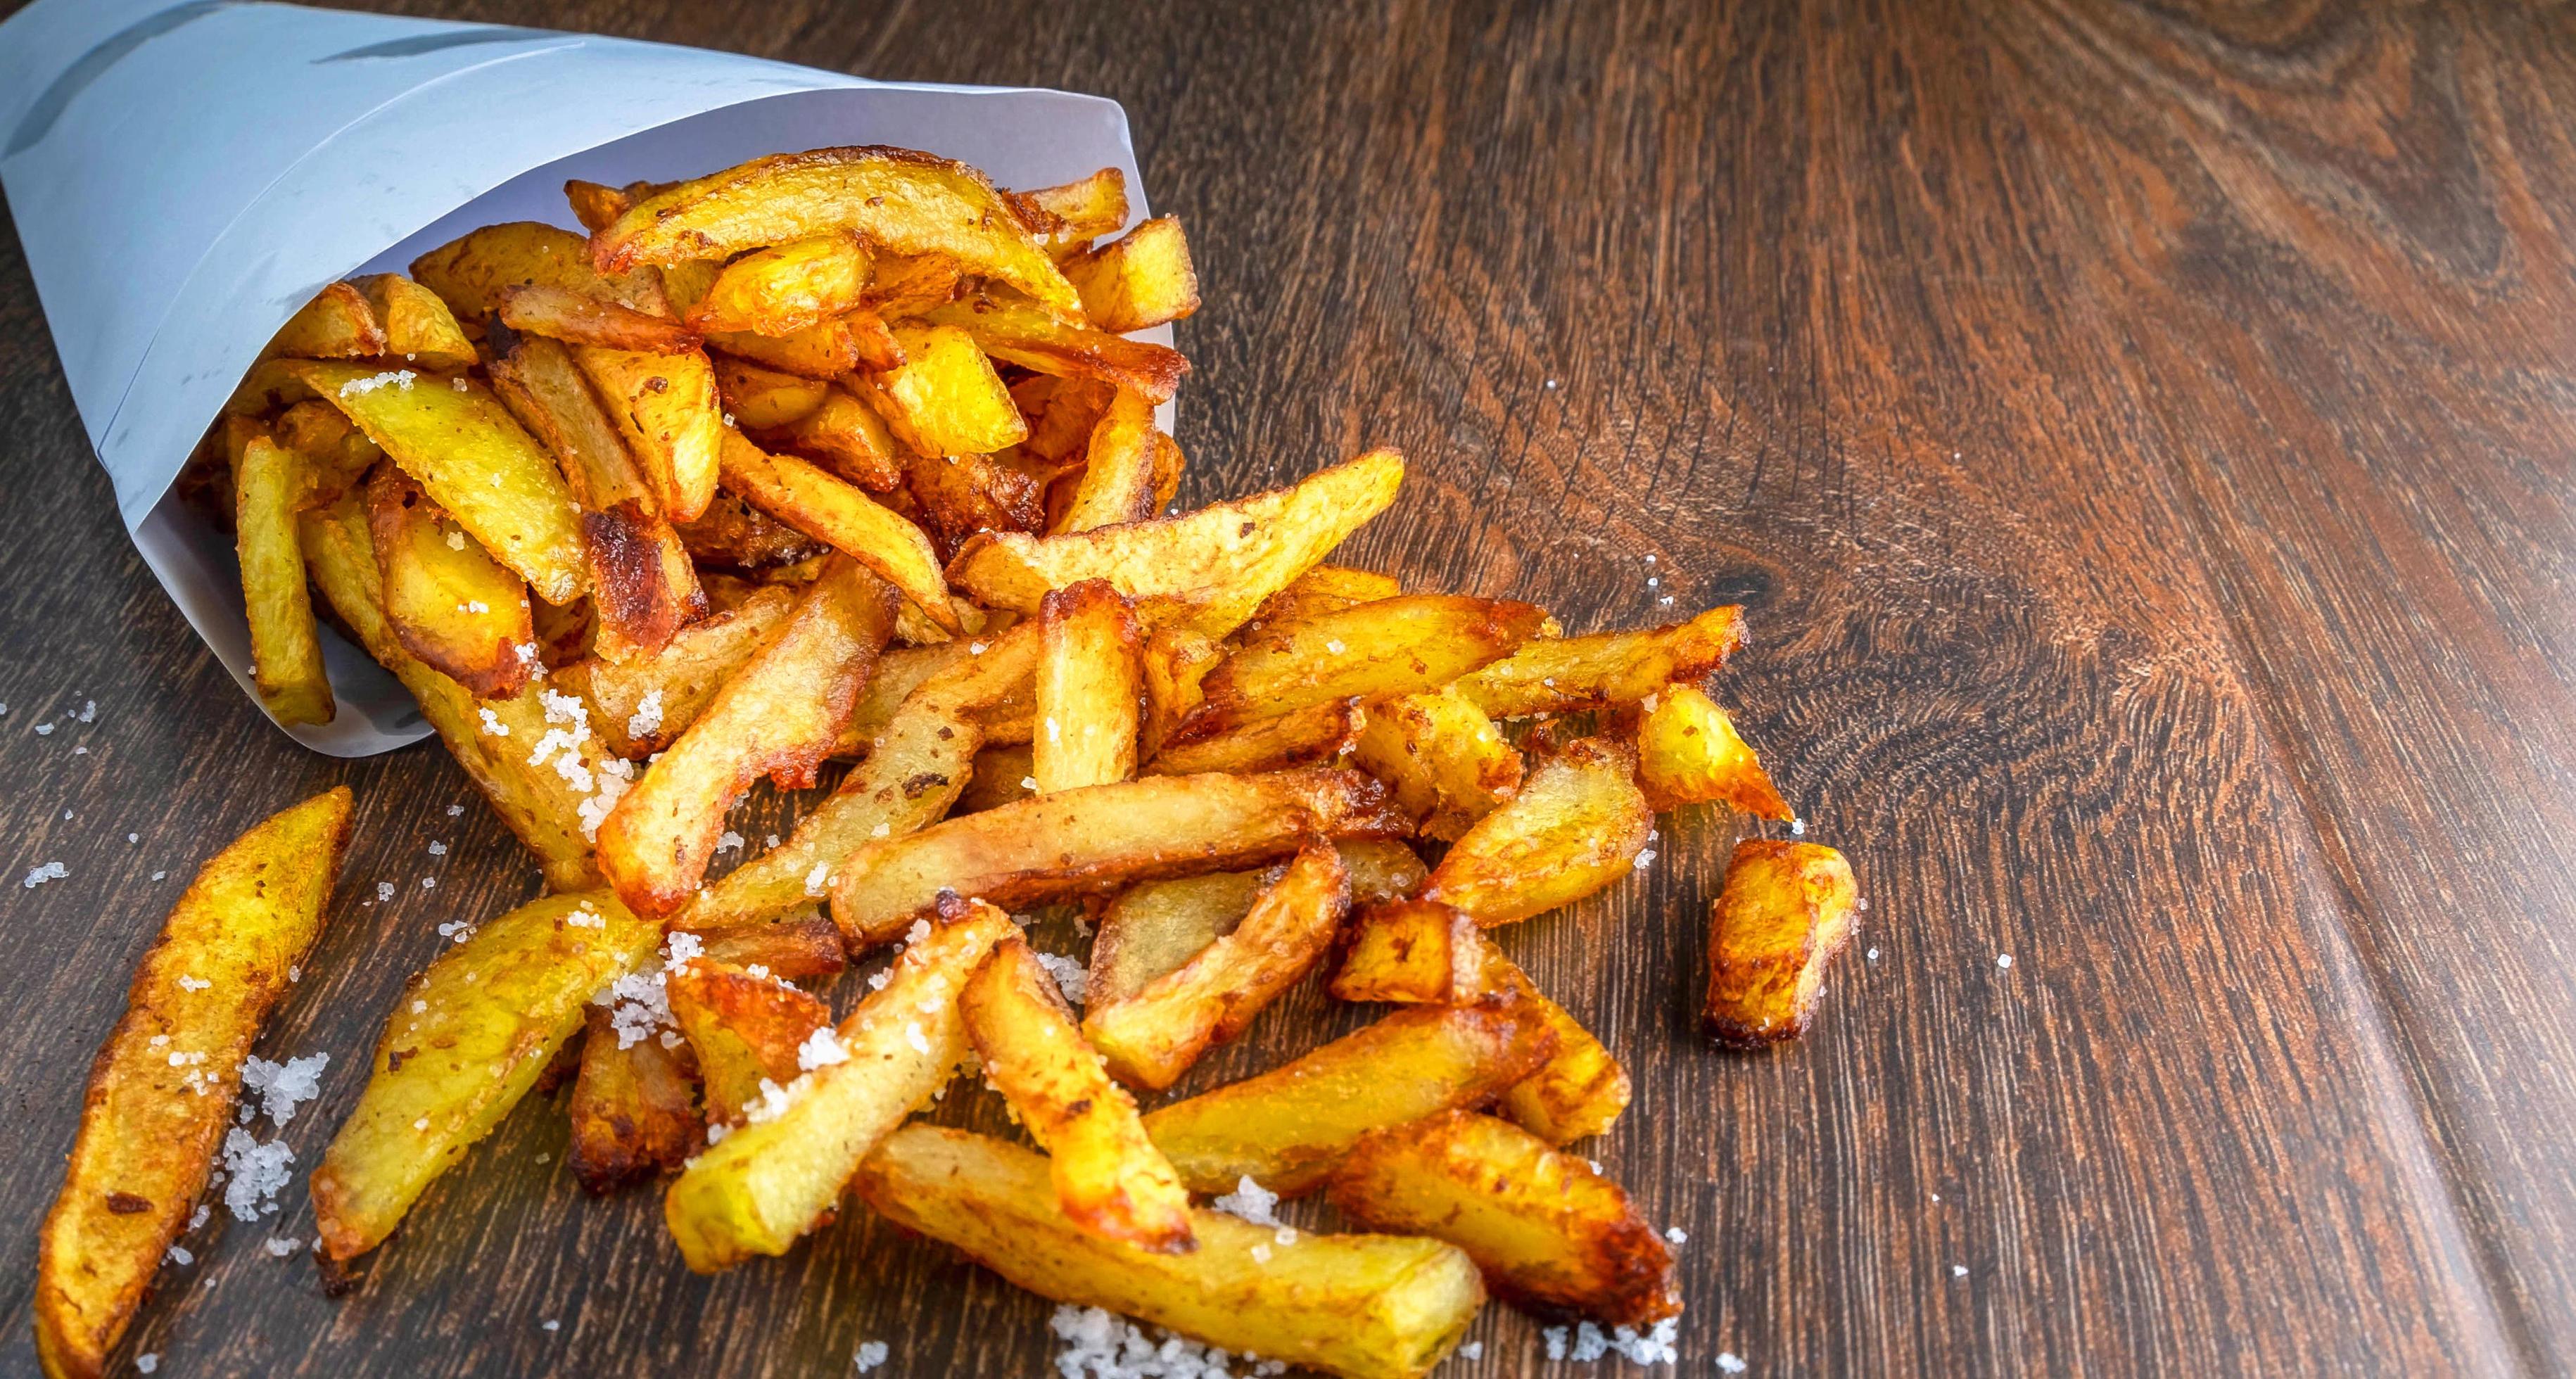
column 855, row 339
column 1117, row 482
column 1109, row 1178
column 1001, row 776
column 336, row 324
column 1323, row 589
column 945, row 398
column 734, row 535
column 1581, row 1089
column 642, row 705
column 762, row 399
column 745, row 1028
column 849, row 436
column 1359, row 1306
column 1445, row 760
column 634, row 1108
column 471, row 272
column 759, row 1190
column 1552, row 1235
column 835, row 512
column 1312, row 736
column 1151, row 1038
column 785, row 287
column 467, row 1038
column 1413, row 952
column 1787, row 910
column 162, row 1090
column 269, row 481
column 664, row 404
column 1061, row 413
column 778, row 716
column 419, row 329
column 1087, row 686
column 1174, row 660
column 580, row 319
column 1157, row 926
column 794, row 946
column 1551, row 675
column 1095, row 840
column 962, row 495
column 1688, row 752
column 1398, row 646
column 335, row 453
column 1139, row 280
column 1029, row 336
column 1083, row 211
column 1575, row 826
column 451, row 604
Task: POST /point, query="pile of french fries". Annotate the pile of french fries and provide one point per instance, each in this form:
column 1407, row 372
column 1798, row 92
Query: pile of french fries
column 846, row 456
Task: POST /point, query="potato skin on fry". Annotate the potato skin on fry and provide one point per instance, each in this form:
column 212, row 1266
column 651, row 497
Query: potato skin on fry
column 1442, row 756
column 162, row 1089
column 1688, row 752
column 1087, row 687
column 634, row 1108
column 1786, row 911
column 1570, row 674
column 786, row 287
column 286, row 650
column 744, row 1027
column 1141, row 279
column 1576, row 826
column 451, row 603
column 1580, row 1089
column 1413, row 952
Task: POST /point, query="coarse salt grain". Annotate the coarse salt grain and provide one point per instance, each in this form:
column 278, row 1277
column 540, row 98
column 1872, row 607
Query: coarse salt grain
column 178, row 1254
column 2003, row 959
column 1958, row 1271
column 550, row 1324
column 456, row 541
column 438, row 849
column 822, row 1048
column 279, row 1247
column 1731, row 1362
column 647, row 718
column 814, row 878
column 492, row 724
column 397, row 378
column 728, row 841
column 148, row 1361
column 51, row 871
column 1099, row 1344
column 1250, row 1201
column 193, row 982
column 384, row 890
column 1071, row 977
column 1473, row 1350
column 912, row 1035
column 870, row 1355
column 1798, row 827
column 1028, row 782
column 253, row 1173
column 1676, row 1235
column 455, row 809
column 284, row 1086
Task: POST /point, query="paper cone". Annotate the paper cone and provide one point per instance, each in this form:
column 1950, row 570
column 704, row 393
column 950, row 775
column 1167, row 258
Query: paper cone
column 185, row 176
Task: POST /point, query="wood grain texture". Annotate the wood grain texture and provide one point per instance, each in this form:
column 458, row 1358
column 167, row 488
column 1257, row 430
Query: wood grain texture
column 2142, row 434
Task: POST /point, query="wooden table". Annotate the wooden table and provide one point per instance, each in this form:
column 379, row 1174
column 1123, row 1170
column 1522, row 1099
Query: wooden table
column 2142, row 435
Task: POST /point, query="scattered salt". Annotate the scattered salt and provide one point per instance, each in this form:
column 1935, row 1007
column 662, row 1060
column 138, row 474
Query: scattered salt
column 550, row 1324
column 455, row 809
column 1473, row 1350
column 178, row 1254
column 1873, row 955
column 1071, row 977
column 253, row 1173
column 1798, row 827
column 729, row 841
column 912, row 1035
column 493, row 726
column 821, row 1048
column 1250, row 1201
column 871, row 1354
column 1100, row 1344
column 1028, row 782
column 284, row 1086
column 647, row 718
column 814, row 878
column 359, row 387
column 1731, row 1362
column 51, row 871
column 1958, row 1271
column 279, row 1247
column 149, row 1361
column 1676, row 1235
column 437, row 849
column 193, row 982
column 384, row 890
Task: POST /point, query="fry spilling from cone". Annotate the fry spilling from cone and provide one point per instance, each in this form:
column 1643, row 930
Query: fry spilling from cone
column 843, row 466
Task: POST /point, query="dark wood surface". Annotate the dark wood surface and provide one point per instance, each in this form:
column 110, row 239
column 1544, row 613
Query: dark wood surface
column 2142, row 434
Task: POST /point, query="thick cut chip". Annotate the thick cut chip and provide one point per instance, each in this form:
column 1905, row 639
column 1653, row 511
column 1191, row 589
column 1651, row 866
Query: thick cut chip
column 746, row 1029
column 419, row 329
column 833, row 511
column 1095, row 840
column 945, row 398
column 595, row 204
column 1077, row 212
column 471, row 272
column 336, row 454
column 1141, row 279
column 1087, row 688
column 1286, row 1128
column 1151, row 1038
column 758, row 1190
column 797, row 946
column 580, row 319
column 901, row 201
column 1027, row 335
column 1174, row 661
column 1109, row 1178
column 762, row 399
column 1062, row 413
column 1688, row 752
column 450, row 602
column 734, row 535
column 665, row 406
column 779, row 716
column 642, row 705
column 1552, row 1234
column 1787, row 910
column 634, row 1108
column 855, row 339
column 642, row 584
column 1117, row 481
column 1157, row 926
column 1403, row 645
column 1445, row 760
column 963, row 495
column 285, row 643
column 161, row 1092
column 786, row 287
column 1581, row 1089
column 1359, row 1306
column 1001, row 776
column 468, row 1037
column 1577, row 825
column 1323, row 589
column 851, row 438
column 1414, row 952
column 1312, row 736
column 1570, row 674
column 336, row 324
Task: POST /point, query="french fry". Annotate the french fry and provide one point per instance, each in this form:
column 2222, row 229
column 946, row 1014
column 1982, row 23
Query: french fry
column 762, row 399
column 1096, row 840
column 1445, row 760
column 1397, row 646
column 471, row 272
column 1551, row 1234
column 832, row 511
column 419, row 329
column 634, row 1108
column 451, row 604
column 1173, row 661
column 1785, row 913
column 945, row 398
column 828, row 349
column 1323, row 589
column 1080, row 211
column 1413, row 952
column 1117, row 483
column 1688, row 752
column 1033, row 338
column 761, row 1188
column 595, row 204
column 1571, row 674
column 851, row 438
column 334, row 452
column 778, row 716
column 786, row 287
column 642, row 583
column 466, row 1040
column 336, row 324
column 1001, row 775
column 745, row 1029
column 1152, row 1037
column 1156, row 926
column 962, row 495
column 161, row 1092
column 1109, row 1179
column 1359, row 1306
column 733, row 534
column 1061, row 413
column 285, row 645
column 1576, row 825
column 901, row 201
column 664, row 404
column 580, row 319
column 909, row 284
column 1581, row 1089
column 797, row 946
column 1087, row 683
column 1141, row 279
column 640, row 706
column 1286, row 1128
column 1316, row 735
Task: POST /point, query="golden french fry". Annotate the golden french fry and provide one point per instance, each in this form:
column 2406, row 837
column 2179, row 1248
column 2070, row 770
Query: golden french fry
column 334, row 452
column 470, row 272
column 961, row 495
column 1000, row 776
column 1033, row 338
column 855, row 339
column 1570, row 674
column 419, row 329
column 1576, row 825
column 161, row 1092
column 285, row 643
column 1785, row 913
column 641, row 705
column 1398, row 646
column 634, row 1108
column 848, row 435
column 1155, row 927
column 1445, row 760
column 1359, row 1306
column 664, row 404
column 1141, row 279
column 1075, row 213
column 944, row 399
column 1688, row 752
column 764, row 399
column 1323, row 589
column 832, row 511
column 733, row 534
column 451, row 604
column 786, row 287
column 580, row 319
column 1087, row 683
column 1313, row 736
column 793, row 947
column 1061, row 412
column 594, row 204
column 1174, row 660
column 1413, row 952
column 1151, row 1038
column 1581, row 1089
column 1550, row 1232
column 468, row 1037
column 746, row 1028
column 336, row 324
column 1117, row 483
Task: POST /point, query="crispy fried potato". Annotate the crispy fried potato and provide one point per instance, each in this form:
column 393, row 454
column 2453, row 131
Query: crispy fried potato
column 1079, row 212
column 1688, row 752
column 1397, row 646
column 1096, row 840
column 1061, row 413
column 733, row 534
column 746, row 1028
column 579, row 319
column 1173, row 661
column 855, row 339
column 451, row 604
column 336, row 454
column 901, row 201
column 962, row 495
column 849, row 436
column 162, row 1089
column 1151, row 1038
column 830, row 510
column 1787, row 910
column 945, row 398
column 466, row 1040
column 641, row 706
column 473, row 459
column 785, row 288
column 1087, row 684
column 1360, row 1306
column 471, row 272
column 1414, row 952
column 542, row 385
column 1581, row 1089
column 419, row 329
column 909, row 284
column 1288, row 1127
column 336, row 324
column 1109, row 1179
column 778, row 716
column 763, row 399
column 1141, row 279
column 1156, row 926
column 665, row 406
column 1570, row 674
column 642, row 582
column 1117, row 481
column 1323, row 589
column 1029, row 336
column 1576, row 826
column 1313, row 736
column 594, row 204
column 797, row 946
column 634, row 1108
column 1235, row 554
column 1551, row 1234
column 761, row 1188
column 1000, row 776
column 269, row 481
column 1445, row 760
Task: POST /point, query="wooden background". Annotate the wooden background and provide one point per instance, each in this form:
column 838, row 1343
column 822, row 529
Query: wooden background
column 2142, row 432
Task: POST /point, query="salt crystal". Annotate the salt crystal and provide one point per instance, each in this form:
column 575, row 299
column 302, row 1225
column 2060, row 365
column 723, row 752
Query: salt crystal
column 2003, row 959
column 821, row 1049
column 647, row 718
column 912, row 1035
column 1731, row 1362
column 814, row 878
column 279, row 1247
column 437, row 849
column 192, row 982
column 728, row 841
column 1250, row 1201
column 51, row 871
column 1676, row 1235
column 456, row 541
column 384, row 890
column 492, row 724
column 1028, row 782
column 1071, row 977
column 1798, row 827
column 44, row 730
column 871, row 1354
column 455, row 809
column 1473, row 1350
column 178, row 1254
column 550, row 1324
column 1958, row 1271
column 284, row 1086
column 149, row 1361
column 1873, row 955
column 253, row 1173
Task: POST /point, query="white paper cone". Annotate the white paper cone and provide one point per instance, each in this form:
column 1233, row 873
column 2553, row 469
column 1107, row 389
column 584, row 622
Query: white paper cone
column 184, row 176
